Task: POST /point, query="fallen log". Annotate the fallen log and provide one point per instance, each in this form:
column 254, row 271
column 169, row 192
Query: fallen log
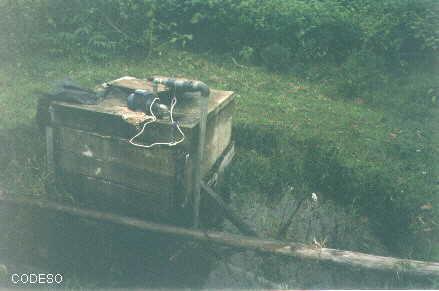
column 291, row 249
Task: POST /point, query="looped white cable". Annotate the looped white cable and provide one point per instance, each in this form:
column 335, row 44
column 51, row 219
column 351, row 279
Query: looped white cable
column 173, row 103
column 153, row 118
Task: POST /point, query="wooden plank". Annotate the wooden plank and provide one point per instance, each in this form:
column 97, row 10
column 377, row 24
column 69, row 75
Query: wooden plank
column 219, row 129
column 147, row 181
column 181, row 194
column 132, row 83
column 211, row 214
column 42, row 115
column 50, row 150
column 112, row 118
column 87, row 120
column 186, row 111
column 106, row 148
column 219, row 135
column 216, row 173
column 229, row 212
column 187, row 107
column 227, row 158
column 187, row 180
column 105, row 195
column 349, row 259
column 198, row 161
column 111, row 125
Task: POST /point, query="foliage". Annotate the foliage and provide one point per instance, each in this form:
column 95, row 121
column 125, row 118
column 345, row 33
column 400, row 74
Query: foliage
column 361, row 72
column 101, row 28
column 21, row 23
column 314, row 30
column 399, row 30
column 276, row 57
column 247, row 54
column 371, row 148
column 88, row 29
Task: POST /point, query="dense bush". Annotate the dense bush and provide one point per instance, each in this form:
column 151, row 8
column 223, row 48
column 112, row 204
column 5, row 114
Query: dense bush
column 88, row 29
column 22, row 22
column 361, row 72
column 400, row 29
column 308, row 30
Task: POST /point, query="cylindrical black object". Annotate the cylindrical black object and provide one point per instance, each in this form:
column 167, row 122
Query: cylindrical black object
column 141, row 100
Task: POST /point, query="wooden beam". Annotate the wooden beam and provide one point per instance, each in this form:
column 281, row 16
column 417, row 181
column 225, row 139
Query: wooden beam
column 287, row 223
column 229, row 213
column 289, row 249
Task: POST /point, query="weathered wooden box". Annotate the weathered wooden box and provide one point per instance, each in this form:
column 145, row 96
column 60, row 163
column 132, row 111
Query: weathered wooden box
column 89, row 153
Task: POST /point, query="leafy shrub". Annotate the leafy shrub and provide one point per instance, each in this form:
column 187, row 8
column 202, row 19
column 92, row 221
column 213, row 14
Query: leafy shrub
column 89, row 29
column 21, row 22
column 312, row 30
column 100, row 28
column 399, row 29
column 276, row 57
column 309, row 30
column 247, row 54
column 361, row 72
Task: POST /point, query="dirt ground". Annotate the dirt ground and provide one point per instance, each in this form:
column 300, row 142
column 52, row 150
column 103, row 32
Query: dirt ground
column 319, row 222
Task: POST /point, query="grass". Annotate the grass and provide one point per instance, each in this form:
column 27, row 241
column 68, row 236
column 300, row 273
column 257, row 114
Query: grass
column 289, row 129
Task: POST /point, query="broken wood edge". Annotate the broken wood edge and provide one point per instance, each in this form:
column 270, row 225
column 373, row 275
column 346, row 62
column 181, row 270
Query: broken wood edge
column 289, row 249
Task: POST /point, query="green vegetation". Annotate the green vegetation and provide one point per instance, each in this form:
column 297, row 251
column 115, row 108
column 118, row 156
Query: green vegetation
column 286, row 127
column 329, row 30
column 340, row 96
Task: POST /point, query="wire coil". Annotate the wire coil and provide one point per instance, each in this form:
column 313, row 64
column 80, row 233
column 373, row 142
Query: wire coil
column 153, row 118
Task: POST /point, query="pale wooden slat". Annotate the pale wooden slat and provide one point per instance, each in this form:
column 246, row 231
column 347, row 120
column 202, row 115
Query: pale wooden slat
column 115, row 172
column 106, row 148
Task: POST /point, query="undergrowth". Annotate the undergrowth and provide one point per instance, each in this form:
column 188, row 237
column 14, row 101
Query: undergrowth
column 372, row 149
column 344, row 102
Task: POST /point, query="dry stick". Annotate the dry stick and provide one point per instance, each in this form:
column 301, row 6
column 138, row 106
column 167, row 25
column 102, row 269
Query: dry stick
column 284, row 227
column 107, row 19
column 290, row 249
column 229, row 212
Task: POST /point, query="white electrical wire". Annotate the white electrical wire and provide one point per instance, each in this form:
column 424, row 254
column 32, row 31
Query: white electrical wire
column 173, row 103
column 153, row 118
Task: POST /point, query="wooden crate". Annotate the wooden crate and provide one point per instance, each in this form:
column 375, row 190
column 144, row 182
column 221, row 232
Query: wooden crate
column 89, row 153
